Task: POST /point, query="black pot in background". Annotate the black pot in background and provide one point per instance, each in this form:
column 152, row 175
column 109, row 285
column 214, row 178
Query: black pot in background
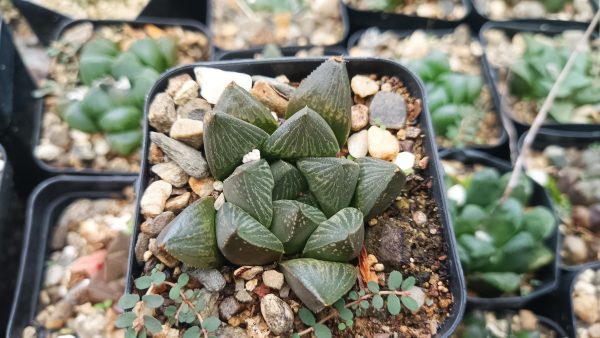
column 295, row 70
column 566, row 139
column 343, row 16
column 286, row 51
column 500, row 148
column 177, row 9
column 544, row 321
column 45, row 206
column 43, row 21
column 17, row 113
column 549, row 274
column 49, row 170
column 360, row 19
column 534, row 26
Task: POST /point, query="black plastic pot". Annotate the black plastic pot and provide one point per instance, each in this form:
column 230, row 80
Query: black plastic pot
column 43, row 21
column 343, row 16
column 544, row 321
column 547, row 137
column 286, row 51
column 543, row 27
column 45, row 205
column 549, row 274
column 564, row 306
column 180, row 9
column 360, row 19
column 295, row 70
column 49, row 170
column 478, row 17
column 500, row 148
column 8, row 54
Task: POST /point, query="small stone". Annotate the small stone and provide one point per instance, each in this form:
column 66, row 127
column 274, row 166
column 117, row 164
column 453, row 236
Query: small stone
column 529, row 321
column 458, row 194
column 382, row 144
column 154, row 226
column 56, row 319
column 268, row 96
column 373, row 221
column 277, row 314
column 171, row 173
column 141, row 247
column 54, row 275
column 58, row 134
column 586, row 308
column 162, row 256
column 378, row 267
column 194, row 109
column 211, row 306
column 359, row 117
column 211, row 279
column 248, row 272
column 388, row 109
column 243, row 296
column 419, row 217
column 178, row 203
column 405, row 160
column 529, row 10
column 252, row 156
column 188, row 131
column 229, row 307
column 176, row 82
column 230, row 332
column 155, row 197
column 218, row 185
column 48, row 152
column 213, row 82
column 188, row 158
column 219, row 201
column 371, row 260
column 251, row 284
column 413, row 132
column 284, row 292
column 594, row 331
column 187, row 91
column 364, row 86
column 202, row 187
column 101, row 147
column 575, row 248
column 239, row 284
column 389, row 244
column 155, row 155
column 386, row 87
column 417, row 294
column 162, row 114
column 358, row 144
column 273, row 279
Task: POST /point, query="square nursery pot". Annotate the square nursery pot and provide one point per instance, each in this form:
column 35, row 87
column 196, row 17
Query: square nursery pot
column 221, row 52
column 45, row 21
column 295, row 70
column 510, row 28
column 44, row 208
column 286, row 51
column 361, row 19
column 496, row 149
column 479, row 18
column 49, row 170
column 547, row 275
column 565, row 139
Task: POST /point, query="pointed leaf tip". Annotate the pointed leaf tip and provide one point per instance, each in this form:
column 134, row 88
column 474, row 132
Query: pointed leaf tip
column 294, row 222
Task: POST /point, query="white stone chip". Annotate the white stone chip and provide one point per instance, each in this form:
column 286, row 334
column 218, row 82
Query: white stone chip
column 252, row 156
column 213, row 82
column 458, row 194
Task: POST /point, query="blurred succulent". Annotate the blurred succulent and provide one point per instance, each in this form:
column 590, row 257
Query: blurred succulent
column 499, row 243
column 108, row 109
column 532, row 77
column 305, row 205
column 383, row 5
column 453, row 98
column 276, row 6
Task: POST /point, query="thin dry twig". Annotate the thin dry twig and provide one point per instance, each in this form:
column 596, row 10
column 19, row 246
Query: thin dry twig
column 541, row 116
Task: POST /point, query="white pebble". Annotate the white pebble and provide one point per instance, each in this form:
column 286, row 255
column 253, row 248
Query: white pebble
column 358, row 144
column 539, row 176
column 254, row 155
column 218, row 185
column 458, row 194
column 405, row 160
column 219, row 201
column 47, row 152
column 213, row 82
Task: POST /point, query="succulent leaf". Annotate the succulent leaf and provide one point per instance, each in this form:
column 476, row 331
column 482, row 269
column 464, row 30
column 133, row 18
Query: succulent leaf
column 318, row 283
column 331, row 180
column 338, row 239
column 124, row 143
column 289, row 182
column 294, row 222
column 379, row 183
column 250, row 187
column 308, row 198
column 126, row 65
column 327, row 91
column 168, row 49
column 238, row 102
column 100, row 47
column 96, row 102
column 142, row 84
column 94, row 66
column 305, row 134
column 149, row 53
column 191, row 236
column 243, row 240
column 77, row 118
column 226, row 140
column 120, row 119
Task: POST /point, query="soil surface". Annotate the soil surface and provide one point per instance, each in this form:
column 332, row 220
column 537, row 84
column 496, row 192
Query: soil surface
column 586, row 300
column 437, row 9
column 576, row 10
column 507, row 325
column 97, row 10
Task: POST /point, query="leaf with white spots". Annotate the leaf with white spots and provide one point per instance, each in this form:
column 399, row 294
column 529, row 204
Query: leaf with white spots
column 289, row 182
column 294, row 222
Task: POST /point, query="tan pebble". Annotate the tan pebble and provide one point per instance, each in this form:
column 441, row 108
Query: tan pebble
column 201, row 186
column 378, row 267
column 219, row 201
column 363, row 86
column 359, row 117
column 529, row 321
column 188, row 131
column 373, row 221
column 176, row 82
column 147, row 255
column 270, row 98
column 186, row 92
column 248, row 272
column 155, row 197
column 273, row 279
column 251, row 284
column 371, row 259
column 155, row 155
column 419, row 217
column 382, row 144
column 178, row 203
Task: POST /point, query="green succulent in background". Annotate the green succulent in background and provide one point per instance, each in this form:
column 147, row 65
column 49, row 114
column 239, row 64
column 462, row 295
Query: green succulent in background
column 300, row 205
column 453, row 98
column 112, row 111
column 276, row 6
column 474, row 325
column 500, row 243
column 533, row 76
column 384, row 5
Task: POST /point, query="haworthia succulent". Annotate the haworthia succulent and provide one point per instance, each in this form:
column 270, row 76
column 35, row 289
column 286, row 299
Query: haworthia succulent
column 125, row 142
column 78, row 119
column 243, row 240
column 168, row 49
column 331, row 180
column 318, row 283
column 120, row 119
column 226, row 140
column 149, row 53
column 250, row 187
column 327, row 91
column 379, row 183
column 289, row 182
column 308, row 198
column 293, row 222
column 191, row 236
column 96, row 102
column 92, row 67
column 99, row 47
column 126, row 65
column 238, row 102
column 339, row 239
column 305, row 134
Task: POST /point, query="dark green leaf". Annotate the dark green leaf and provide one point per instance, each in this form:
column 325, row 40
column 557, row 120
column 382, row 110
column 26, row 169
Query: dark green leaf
column 120, row 119
column 125, row 320
column 353, row 295
column 505, row 221
column 484, row 188
column 96, row 102
column 168, row 49
column 503, row 281
column 130, row 333
column 394, row 280
column 393, row 304
column 153, row 301
column 126, row 65
column 341, row 326
column 99, row 46
column 446, row 116
column 293, row 223
column 170, row 311
column 289, row 183
column 92, row 67
column 128, row 301
column 149, row 53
